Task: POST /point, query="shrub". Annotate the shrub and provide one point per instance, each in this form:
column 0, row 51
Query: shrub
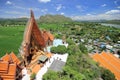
column 70, row 41
column 53, row 49
column 107, row 74
column 50, row 75
column 60, row 49
column 83, row 49
column 72, row 49
column 33, row 75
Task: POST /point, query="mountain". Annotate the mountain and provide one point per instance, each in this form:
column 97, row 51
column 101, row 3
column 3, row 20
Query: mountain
column 54, row 19
column 13, row 21
column 102, row 21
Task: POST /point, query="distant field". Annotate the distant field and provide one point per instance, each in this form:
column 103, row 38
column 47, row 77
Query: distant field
column 10, row 39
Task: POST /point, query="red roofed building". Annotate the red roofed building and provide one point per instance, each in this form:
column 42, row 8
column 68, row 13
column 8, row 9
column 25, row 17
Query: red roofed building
column 48, row 37
column 108, row 61
column 34, row 39
column 9, row 67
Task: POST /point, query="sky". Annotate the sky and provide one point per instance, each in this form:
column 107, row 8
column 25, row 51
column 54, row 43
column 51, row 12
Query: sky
column 76, row 9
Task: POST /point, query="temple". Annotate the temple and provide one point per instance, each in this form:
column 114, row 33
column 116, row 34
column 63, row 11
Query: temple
column 33, row 53
column 10, row 67
column 34, row 40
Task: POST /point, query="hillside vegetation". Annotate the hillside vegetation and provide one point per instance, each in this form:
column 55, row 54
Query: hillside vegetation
column 111, row 21
column 54, row 19
column 13, row 22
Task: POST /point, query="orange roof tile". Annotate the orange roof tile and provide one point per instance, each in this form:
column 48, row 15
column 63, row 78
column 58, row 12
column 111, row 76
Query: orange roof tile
column 6, row 57
column 3, row 67
column 45, row 36
column 51, row 37
column 108, row 61
column 11, row 57
column 14, row 58
column 36, row 68
column 49, row 55
column 9, row 79
column 11, row 70
column 48, row 36
column 8, row 69
column 11, row 73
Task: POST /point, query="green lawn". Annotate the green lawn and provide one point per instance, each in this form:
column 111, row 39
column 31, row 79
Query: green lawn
column 10, row 39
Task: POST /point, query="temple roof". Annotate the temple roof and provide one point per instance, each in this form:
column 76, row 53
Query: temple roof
column 3, row 66
column 33, row 30
column 11, row 58
column 48, row 36
column 108, row 61
column 8, row 66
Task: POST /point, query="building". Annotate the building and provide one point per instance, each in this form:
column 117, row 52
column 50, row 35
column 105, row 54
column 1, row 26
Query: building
column 9, row 67
column 34, row 40
column 108, row 61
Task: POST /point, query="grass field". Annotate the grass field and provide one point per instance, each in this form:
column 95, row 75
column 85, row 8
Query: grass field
column 10, row 39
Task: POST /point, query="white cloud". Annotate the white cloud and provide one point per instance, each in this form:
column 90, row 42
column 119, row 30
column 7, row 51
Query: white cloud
column 44, row 1
column 59, row 7
column 109, row 15
column 23, row 16
column 103, row 5
column 118, row 7
column 62, row 13
column 8, row 2
column 80, row 8
column 13, row 12
column 44, row 10
column 33, row 8
column 19, row 7
column 88, row 14
column 113, row 12
column 24, row 8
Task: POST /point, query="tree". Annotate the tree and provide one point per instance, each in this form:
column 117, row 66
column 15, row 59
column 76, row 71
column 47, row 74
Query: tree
column 107, row 74
column 50, row 75
column 70, row 41
column 72, row 49
column 60, row 49
column 53, row 49
column 83, row 48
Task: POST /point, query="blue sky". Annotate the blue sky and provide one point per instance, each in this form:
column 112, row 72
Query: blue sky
column 76, row 9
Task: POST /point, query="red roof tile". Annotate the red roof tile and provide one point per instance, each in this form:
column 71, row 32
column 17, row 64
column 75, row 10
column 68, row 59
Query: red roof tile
column 8, row 69
column 6, row 58
column 48, row 36
column 11, row 72
column 108, row 61
column 3, row 67
column 14, row 58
